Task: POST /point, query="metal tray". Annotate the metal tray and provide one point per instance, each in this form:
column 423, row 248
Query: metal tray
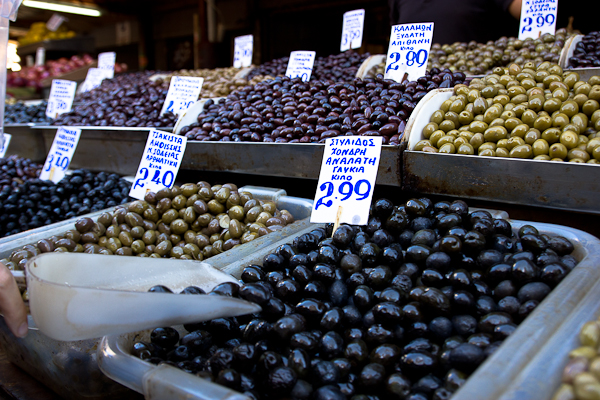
column 566, row 186
column 26, row 142
column 70, row 368
column 495, row 374
column 111, row 149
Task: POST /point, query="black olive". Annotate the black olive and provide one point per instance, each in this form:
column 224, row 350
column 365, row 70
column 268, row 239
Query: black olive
column 560, row 245
column 253, row 273
column 387, row 313
column 273, row 262
column 166, row 337
column 180, row 353
column 160, row 289
column 299, row 361
column 441, row 327
column 533, row 291
column 351, row 263
column 328, row 392
column 466, row 357
column 553, row 273
column 332, row 319
column 193, row 290
column 524, row 271
column 256, row 330
column 505, row 288
column 229, row 378
column 229, row 289
column 286, row 326
column 379, row 277
column 427, row 384
column 464, row 325
column 315, row 289
column 255, row 293
column 435, row 300
column 405, row 238
column 418, row 363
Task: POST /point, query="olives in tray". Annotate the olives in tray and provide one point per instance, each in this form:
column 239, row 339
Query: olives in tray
column 344, row 317
column 27, row 202
column 529, row 112
column 171, row 223
column 580, row 377
column 585, row 54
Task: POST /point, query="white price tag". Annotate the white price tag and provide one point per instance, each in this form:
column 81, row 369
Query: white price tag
column 30, row 62
column 301, row 65
column 352, row 30
column 242, row 55
column 183, row 92
column 54, row 22
column 61, row 97
column 537, row 18
column 5, row 143
column 106, row 62
column 347, row 178
column 93, row 79
column 160, row 163
column 408, row 51
column 60, row 155
column 40, row 56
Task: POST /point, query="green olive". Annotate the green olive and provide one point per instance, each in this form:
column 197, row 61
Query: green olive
column 450, row 116
column 580, row 120
column 487, row 153
column 457, row 106
column 489, row 92
column 559, row 120
column 232, row 200
column 204, row 219
column 169, row 216
column 514, row 141
column 495, row 133
column 502, row 143
column 222, row 194
column 179, row 202
column 437, row 117
column 465, row 117
column 202, row 240
column 126, row 238
column 477, row 140
column 521, row 151
column 163, row 205
column 189, row 236
column 540, row 147
column 248, row 237
column 580, row 99
column 570, row 108
column 151, row 214
column 179, row 226
column 215, row 207
column 569, row 139
column 176, row 252
column 138, row 246
column 594, row 93
column 497, row 122
column 502, row 152
column 429, row 129
column 173, row 238
column 113, row 231
column 477, row 127
column 479, row 106
column 552, row 105
column 205, row 193
column 444, row 140
column 189, row 215
column 113, row 244
column 447, row 148
column 446, row 105
column 163, row 248
column 578, row 153
column 519, row 130
column 189, row 189
column 589, row 107
column 558, row 150
column 528, row 117
column 536, row 103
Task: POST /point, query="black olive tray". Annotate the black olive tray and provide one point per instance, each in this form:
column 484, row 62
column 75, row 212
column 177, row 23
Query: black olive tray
column 547, row 184
column 488, row 382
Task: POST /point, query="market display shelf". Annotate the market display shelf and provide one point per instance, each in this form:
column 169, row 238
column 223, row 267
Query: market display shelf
column 547, row 184
column 26, row 142
column 294, row 160
column 109, row 148
column 70, row 368
column 80, row 44
column 488, row 381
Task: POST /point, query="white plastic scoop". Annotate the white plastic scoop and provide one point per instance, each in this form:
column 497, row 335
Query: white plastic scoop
column 75, row 296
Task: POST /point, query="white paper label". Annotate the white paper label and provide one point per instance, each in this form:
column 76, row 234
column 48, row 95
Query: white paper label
column 347, row 178
column 160, row 163
column 61, row 97
column 408, row 51
column 106, row 62
column 54, row 22
column 242, row 55
column 93, row 79
column 60, row 155
column 300, row 65
column 29, row 60
column 537, row 17
column 352, row 30
column 40, row 56
column 5, row 143
column 123, row 32
column 183, row 92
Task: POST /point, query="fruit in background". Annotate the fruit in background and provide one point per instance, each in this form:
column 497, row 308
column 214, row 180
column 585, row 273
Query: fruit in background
column 33, row 76
column 38, row 32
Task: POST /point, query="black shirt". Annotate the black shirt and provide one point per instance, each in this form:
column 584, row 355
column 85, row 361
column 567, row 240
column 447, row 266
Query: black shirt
column 458, row 20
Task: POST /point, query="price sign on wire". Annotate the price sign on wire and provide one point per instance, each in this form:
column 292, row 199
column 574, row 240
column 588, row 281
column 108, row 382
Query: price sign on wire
column 5, row 142
column 61, row 97
column 40, row 56
column 347, row 179
column 408, row 51
column 93, row 79
column 537, row 18
column 60, row 155
column 352, row 30
column 55, row 22
column 106, row 62
column 160, row 163
column 300, row 65
column 242, row 55
column 183, row 92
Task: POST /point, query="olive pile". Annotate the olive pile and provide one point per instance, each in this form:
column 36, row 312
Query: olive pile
column 219, row 82
column 285, row 110
column 127, row 100
column 581, row 376
column 405, row 307
column 339, row 68
column 478, row 58
column 516, row 112
column 19, row 113
column 36, row 203
column 15, row 170
column 587, row 52
column 191, row 221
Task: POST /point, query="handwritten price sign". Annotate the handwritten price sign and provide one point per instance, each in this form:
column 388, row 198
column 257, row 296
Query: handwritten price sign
column 301, row 65
column 61, row 97
column 537, row 17
column 183, row 92
column 106, row 63
column 408, row 51
column 160, row 163
column 242, row 55
column 347, row 179
column 60, row 155
column 352, row 30
column 4, row 145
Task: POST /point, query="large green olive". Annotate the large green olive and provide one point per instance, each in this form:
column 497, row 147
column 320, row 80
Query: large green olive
column 558, row 150
column 163, row 248
column 189, row 189
column 569, row 139
column 495, row 133
column 205, row 194
column 189, row 215
column 215, row 207
column 521, row 151
column 222, row 195
column 149, row 237
column 179, row 202
column 233, row 200
column 170, row 216
column 179, row 226
column 236, row 212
